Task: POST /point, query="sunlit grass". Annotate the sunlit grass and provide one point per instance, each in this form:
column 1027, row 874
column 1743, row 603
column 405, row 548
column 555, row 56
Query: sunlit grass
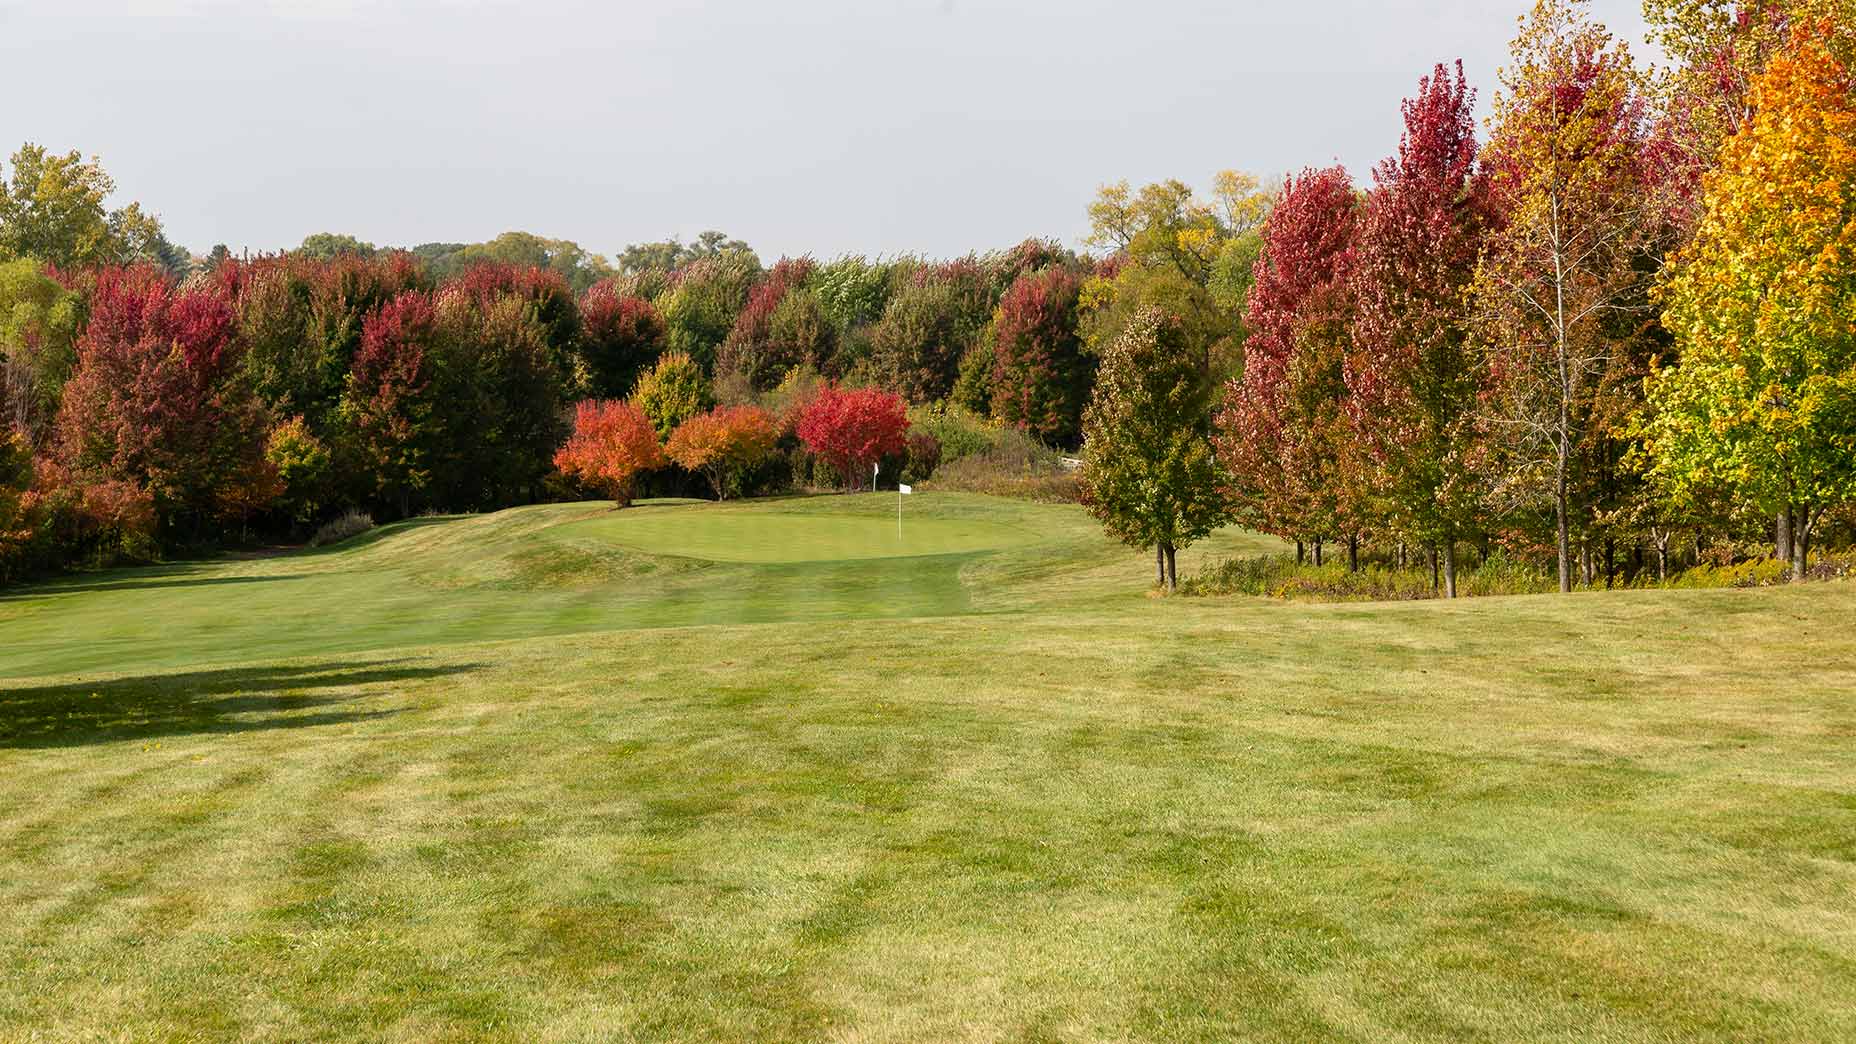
column 575, row 790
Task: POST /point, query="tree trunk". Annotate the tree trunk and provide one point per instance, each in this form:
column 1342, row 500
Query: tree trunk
column 1801, row 541
column 1353, row 553
column 1318, row 559
column 1301, row 553
column 1661, row 538
column 1172, row 569
column 1782, row 535
column 1402, row 563
column 1450, row 567
column 1565, row 537
column 1435, row 582
column 1611, row 562
column 1159, row 565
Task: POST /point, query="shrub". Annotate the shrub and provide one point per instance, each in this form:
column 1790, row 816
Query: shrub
column 851, row 429
column 725, row 444
column 674, row 391
column 612, row 444
column 1015, row 465
column 345, row 526
column 924, row 453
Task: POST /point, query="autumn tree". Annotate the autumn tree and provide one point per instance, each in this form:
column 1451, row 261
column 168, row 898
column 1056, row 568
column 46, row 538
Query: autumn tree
column 1041, row 377
column 1562, row 290
column 498, row 400
column 851, row 429
column 672, row 392
column 724, row 444
column 1762, row 401
column 1416, row 374
column 780, row 327
column 621, row 337
column 1282, row 428
column 389, row 404
column 705, row 298
column 54, row 208
column 612, row 443
column 1149, row 473
column 157, row 399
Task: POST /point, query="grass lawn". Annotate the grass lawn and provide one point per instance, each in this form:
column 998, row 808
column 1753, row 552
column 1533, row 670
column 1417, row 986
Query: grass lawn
column 757, row 771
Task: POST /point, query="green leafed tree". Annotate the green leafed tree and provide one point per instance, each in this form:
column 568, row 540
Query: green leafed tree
column 1149, row 473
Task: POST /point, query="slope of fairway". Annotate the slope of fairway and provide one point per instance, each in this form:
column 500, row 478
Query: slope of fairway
column 562, row 569
column 466, row 781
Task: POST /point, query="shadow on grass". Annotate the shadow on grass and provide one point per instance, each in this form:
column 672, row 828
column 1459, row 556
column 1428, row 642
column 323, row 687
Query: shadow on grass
column 167, row 578
column 202, row 702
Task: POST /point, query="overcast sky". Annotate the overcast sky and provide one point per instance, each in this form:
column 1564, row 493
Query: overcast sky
column 821, row 126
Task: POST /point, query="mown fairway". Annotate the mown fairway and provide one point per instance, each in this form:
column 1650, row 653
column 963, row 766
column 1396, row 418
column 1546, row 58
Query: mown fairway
column 756, row 771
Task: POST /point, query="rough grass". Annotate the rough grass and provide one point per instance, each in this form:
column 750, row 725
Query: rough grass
column 1055, row 809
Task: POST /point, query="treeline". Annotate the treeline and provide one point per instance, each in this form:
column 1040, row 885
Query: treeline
column 149, row 412
column 1616, row 336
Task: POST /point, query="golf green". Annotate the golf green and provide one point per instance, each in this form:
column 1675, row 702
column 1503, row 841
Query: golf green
column 700, row 531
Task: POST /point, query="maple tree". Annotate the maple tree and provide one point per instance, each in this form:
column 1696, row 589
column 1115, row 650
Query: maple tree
column 612, row 443
column 1562, row 288
column 1416, row 375
column 851, row 429
column 1149, row 474
column 1282, row 429
column 621, row 337
column 780, row 327
column 389, row 404
column 1762, row 400
column 723, row 444
column 1040, row 378
column 157, row 400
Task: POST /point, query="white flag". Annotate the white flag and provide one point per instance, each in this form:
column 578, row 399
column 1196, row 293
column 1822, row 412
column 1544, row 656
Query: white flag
column 906, row 490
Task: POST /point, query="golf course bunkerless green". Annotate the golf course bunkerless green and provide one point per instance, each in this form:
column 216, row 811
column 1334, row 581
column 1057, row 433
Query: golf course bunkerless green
column 761, row 770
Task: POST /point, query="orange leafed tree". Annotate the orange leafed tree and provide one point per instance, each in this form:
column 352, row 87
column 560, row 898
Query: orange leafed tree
column 724, row 443
column 612, row 444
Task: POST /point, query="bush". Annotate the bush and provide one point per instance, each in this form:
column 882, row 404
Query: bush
column 924, row 455
column 1280, row 576
column 958, row 432
column 1015, row 465
column 343, row 527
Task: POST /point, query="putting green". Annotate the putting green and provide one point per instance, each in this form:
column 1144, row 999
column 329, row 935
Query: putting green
column 752, row 533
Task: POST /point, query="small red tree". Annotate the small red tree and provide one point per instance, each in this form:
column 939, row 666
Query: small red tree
column 724, row 443
column 853, row 429
column 612, row 444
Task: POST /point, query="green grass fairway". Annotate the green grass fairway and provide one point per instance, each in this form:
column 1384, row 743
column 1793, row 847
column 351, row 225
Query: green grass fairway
column 746, row 772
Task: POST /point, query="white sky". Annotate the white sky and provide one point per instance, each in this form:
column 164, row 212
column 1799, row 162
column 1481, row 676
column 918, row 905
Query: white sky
column 821, row 126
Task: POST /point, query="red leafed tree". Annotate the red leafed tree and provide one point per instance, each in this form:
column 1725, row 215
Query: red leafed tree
column 620, row 338
column 853, row 429
column 612, row 444
column 388, row 406
column 1415, row 377
column 1040, row 375
column 724, row 443
column 158, row 400
column 1282, row 431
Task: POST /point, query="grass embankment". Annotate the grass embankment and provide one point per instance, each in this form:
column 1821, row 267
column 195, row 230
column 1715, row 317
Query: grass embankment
column 1041, row 806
